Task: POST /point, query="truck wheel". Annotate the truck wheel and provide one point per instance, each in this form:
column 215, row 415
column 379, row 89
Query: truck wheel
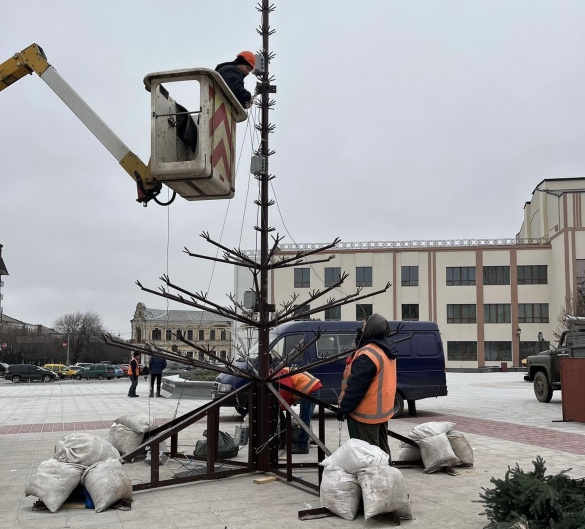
column 398, row 405
column 542, row 388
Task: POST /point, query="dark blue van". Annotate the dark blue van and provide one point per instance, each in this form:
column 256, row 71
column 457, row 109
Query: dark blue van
column 420, row 363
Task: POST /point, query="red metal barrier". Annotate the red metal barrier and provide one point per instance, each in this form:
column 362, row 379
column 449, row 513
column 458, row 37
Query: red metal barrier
column 573, row 389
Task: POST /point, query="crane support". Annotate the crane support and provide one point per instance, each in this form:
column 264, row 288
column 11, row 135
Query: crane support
column 33, row 59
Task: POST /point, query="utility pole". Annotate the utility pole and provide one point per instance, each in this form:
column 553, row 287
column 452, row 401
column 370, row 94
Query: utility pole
column 3, row 272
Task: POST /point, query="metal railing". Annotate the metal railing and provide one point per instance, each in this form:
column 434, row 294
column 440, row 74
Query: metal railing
column 424, row 244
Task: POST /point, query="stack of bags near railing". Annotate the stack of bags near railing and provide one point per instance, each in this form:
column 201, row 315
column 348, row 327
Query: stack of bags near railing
column 81, row 459
column 438, row 445
column 357, row 470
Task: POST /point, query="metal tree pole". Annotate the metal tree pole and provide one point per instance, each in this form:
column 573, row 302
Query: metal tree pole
column 264, row 354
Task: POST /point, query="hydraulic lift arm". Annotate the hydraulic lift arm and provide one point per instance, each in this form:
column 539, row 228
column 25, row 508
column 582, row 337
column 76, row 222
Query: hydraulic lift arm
column 32, row 59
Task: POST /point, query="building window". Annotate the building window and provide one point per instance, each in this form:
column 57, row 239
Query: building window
column 190, row 334
column 138, row 335
column 300, row 312
column 222, row 355
column 179, row 334
column 496, row 275
column 189, row 354
column 363, row 276
column 532, row 348
column 497, row 313
column 363, row 311
column 212, row 335
column 410, row 312
column 332, row 276
column 533, row 313
column 302, row 277
column 464, row 351
column 168, row 335
column 201, row 335
column 461, row 314
column 334, row 313
column 458, row 276
column 498, row 351
column 201, row 356
column 156, row 335
column 532, row 275
column 409, row 276
column 223, row 335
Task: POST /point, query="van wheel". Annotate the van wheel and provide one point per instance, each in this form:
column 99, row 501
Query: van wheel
column 16, row 379
column 100, row 377
column 77, row 377
column 398, row 405
column 542, row 388
column 46, row 378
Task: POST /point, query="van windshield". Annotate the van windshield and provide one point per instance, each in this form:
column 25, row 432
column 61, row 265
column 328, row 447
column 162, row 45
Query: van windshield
column 254, row 351
column 281, row 346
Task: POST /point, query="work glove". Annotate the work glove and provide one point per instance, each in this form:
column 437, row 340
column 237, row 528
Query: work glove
column 340, row 416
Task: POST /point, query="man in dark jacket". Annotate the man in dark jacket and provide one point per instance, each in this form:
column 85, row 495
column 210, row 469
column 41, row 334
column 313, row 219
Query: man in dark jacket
column 233, row 74
column 369, row 385
column 157, row 366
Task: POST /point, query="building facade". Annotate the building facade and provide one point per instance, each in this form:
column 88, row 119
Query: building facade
column 495, row 300
column 163, row 327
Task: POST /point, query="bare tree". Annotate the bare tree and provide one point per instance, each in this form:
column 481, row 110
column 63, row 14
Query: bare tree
column 79, row 328
column 574, row 306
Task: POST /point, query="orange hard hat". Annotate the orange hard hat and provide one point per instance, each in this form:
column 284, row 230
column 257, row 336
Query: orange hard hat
column 249, row 57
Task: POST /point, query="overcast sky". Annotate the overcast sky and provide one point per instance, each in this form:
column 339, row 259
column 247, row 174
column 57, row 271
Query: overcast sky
column 395, row 120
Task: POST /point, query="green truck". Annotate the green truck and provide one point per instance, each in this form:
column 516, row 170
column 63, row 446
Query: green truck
column 544, row 369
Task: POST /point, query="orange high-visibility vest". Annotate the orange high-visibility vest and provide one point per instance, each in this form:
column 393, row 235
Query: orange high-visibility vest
column 134, row 371
column 377, row 406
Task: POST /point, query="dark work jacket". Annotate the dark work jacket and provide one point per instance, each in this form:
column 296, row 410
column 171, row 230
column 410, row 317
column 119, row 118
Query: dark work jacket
column 363, row 371
column 157, row 365
column 235, row 80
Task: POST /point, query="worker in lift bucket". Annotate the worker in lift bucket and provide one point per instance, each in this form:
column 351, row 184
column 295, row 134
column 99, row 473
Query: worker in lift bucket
column 233, row 74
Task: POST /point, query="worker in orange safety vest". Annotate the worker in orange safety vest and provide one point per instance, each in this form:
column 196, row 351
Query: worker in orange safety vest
column 309, row 385
column 133, row 374
column 368, row 388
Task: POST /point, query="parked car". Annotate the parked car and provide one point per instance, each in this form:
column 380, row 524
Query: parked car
column 25, row 372
column 119, row 372
column 75, row 368
column 83, row 364
column 60, row 369
column 3, row 367
column 99, row 371
column 124, row 368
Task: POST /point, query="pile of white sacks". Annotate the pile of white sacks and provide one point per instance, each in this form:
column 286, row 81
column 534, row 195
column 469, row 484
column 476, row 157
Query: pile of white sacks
column 357, row 470
column 90, row 460
column 438, row 445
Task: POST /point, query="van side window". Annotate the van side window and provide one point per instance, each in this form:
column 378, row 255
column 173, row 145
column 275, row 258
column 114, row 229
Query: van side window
column 327, row 346
column 346, row 342
column 426, row 345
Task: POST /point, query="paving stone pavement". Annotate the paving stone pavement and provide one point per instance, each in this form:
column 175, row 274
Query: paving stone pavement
column 498, row 413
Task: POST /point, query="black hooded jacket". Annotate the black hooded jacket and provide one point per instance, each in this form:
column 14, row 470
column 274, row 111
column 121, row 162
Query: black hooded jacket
column 235, row 80
column 363, row 370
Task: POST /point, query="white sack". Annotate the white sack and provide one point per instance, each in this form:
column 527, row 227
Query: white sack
column 428, row 429
column 383, row 491
column 141, row 423
column 461, row 448
column 409, row 453
column 107, row 483
column 53, row 482
column 355, row 454
column 124, row 439
column 437, row 453
column 340, row 492
column 84, row 449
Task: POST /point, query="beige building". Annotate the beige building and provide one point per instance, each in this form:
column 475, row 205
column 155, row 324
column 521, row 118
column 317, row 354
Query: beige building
column 162, row 328
column 491, row 297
